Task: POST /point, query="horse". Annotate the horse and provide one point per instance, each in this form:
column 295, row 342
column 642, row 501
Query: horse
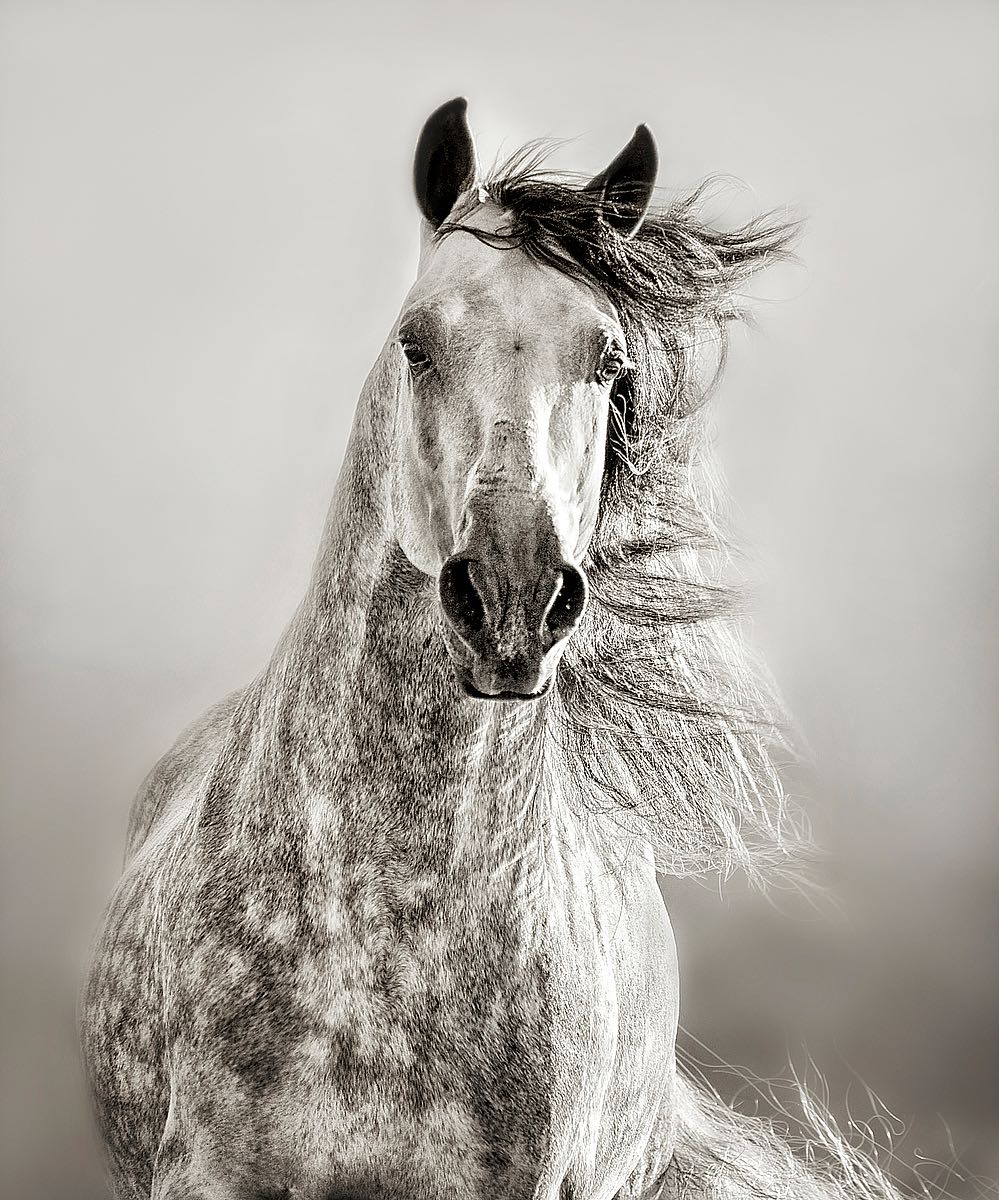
column 389, row 925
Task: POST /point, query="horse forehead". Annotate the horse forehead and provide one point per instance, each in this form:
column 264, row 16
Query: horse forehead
column 515, row 299
column 472, row 283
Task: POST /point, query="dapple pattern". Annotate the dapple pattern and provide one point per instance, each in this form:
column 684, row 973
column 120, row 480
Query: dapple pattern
column 363, row 951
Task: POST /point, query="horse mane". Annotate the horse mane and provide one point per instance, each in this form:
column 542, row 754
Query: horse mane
column 664, row 717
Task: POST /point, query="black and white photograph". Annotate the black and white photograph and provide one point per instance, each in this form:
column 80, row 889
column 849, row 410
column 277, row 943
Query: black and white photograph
column 499, row 662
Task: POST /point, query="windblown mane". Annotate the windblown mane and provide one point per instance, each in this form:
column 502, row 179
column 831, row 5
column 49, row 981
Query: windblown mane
column 663, row 715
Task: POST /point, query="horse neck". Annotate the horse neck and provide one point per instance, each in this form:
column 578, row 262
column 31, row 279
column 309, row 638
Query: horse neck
column 360, row 706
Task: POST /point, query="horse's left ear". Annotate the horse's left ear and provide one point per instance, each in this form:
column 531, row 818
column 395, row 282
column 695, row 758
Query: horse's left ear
column 445, row 163
column 625, row 187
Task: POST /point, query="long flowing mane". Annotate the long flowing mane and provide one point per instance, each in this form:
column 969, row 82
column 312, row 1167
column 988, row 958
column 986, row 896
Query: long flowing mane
column 663, row 715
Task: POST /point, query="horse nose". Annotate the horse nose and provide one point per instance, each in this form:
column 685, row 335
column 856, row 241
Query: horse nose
column 461, row 600
column 509, row 611
column 560, row 600
column 567, row 602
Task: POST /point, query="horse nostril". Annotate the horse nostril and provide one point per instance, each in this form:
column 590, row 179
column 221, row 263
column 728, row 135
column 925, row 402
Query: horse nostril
column 567, row 607
column 460, row 597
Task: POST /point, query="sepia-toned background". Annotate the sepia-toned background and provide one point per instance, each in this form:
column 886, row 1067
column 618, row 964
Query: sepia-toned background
column 206, row 230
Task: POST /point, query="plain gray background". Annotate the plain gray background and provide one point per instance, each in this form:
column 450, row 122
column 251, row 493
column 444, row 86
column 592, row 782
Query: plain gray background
column 206, row 230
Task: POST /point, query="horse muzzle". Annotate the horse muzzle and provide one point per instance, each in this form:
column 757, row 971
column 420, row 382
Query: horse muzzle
column 505, row 628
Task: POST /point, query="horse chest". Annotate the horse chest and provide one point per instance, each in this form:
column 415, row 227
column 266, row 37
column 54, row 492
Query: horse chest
column 461, row 1030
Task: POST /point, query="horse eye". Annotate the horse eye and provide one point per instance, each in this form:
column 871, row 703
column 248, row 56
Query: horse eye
column 416, row 356
column 612, row 365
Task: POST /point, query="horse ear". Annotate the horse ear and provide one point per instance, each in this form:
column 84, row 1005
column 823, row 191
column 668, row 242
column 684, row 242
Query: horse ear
column 625, row 187
column 445, row 162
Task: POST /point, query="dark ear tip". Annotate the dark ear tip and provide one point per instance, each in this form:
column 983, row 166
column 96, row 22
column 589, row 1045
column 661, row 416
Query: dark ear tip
column 456, row 107
column 643, row 137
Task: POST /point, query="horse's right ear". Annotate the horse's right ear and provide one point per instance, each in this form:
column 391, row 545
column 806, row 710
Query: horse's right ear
column 445, row 160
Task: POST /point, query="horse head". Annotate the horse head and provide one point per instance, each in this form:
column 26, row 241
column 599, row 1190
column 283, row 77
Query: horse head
column 507, row 373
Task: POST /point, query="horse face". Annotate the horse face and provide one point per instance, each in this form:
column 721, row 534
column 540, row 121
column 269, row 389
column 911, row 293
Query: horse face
column 502, row 420
column 507, row 371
